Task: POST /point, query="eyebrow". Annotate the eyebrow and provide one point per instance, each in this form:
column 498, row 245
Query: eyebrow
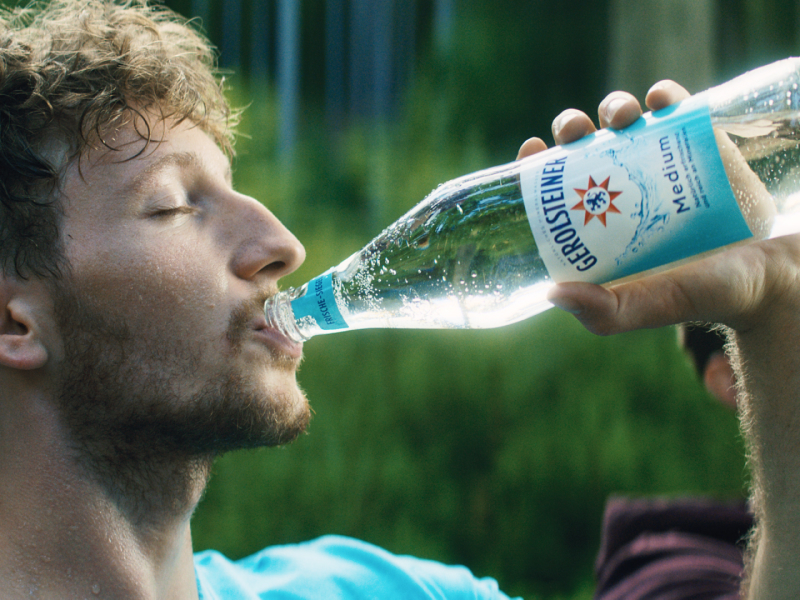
column 182, row 160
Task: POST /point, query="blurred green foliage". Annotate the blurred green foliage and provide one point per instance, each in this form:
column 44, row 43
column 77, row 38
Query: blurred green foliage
column 495, row 449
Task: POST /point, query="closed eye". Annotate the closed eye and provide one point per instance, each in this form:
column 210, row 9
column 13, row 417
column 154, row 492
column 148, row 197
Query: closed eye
column 174, row 211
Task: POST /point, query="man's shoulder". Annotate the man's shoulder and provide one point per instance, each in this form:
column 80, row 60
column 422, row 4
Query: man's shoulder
column 336, row 567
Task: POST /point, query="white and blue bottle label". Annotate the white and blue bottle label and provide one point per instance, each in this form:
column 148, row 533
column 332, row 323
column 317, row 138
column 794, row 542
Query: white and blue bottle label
column 319, row 304
column 622, row 202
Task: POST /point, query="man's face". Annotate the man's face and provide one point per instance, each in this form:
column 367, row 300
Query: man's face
column 166, row 348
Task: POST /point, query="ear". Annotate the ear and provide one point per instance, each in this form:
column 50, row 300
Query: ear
column 720, row 379
column 21, row 343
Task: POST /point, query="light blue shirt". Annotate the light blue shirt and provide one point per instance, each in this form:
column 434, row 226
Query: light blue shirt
column 336, row 568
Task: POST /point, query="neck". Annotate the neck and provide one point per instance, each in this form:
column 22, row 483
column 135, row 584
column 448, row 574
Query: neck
column 67, row 531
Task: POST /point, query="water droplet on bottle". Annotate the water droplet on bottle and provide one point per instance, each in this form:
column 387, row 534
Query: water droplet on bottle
column 96, row 589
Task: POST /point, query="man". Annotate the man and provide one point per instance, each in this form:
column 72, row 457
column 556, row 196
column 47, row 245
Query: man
column 133, row 344
column 133, row 349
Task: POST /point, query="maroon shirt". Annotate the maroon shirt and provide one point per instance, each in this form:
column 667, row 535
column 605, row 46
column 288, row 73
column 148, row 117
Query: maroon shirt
column 671, row 550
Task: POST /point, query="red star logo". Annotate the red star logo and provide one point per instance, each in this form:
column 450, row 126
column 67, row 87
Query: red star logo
column 597, row 201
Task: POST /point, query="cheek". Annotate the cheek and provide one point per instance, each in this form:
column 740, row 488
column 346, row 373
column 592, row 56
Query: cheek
column 173, row 283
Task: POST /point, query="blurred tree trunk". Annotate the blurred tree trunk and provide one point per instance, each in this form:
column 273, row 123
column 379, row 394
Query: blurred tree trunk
column 202, row 10
column 382, row 43
column 288, row 75
column 231, row 51
column 405, row 46
column 360, row 56
column 662, row 39
column 756, row 32
column 443, row 22
column 335, row 65
column 259, row 40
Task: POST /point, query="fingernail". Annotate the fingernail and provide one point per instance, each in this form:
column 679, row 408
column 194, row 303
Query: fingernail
column 612, row 107
column 561, row 120
column 558, row 123
column 567, row 304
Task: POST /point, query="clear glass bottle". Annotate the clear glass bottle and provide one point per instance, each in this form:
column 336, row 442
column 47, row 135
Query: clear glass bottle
column 482, row 250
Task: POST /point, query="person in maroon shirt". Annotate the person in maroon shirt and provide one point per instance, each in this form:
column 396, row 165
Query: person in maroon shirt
column 656, row 549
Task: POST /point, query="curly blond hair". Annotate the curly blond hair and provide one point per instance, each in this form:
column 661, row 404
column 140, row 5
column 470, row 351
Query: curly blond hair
column 70, row 69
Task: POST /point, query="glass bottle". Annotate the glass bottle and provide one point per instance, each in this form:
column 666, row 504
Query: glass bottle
column 482, row 250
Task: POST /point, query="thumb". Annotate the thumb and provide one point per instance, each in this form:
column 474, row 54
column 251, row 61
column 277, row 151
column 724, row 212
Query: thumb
column 738, row 287
column 625, row 307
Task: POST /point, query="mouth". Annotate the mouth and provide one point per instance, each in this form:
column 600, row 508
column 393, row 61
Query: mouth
column 276, row 340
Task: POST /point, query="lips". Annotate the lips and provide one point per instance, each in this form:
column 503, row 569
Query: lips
column 277, row 340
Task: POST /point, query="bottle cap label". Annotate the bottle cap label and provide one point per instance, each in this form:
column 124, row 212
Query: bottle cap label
column 621, row 202
column 319, row 304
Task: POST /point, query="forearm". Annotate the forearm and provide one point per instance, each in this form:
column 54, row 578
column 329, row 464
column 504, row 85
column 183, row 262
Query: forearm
column 767, row 361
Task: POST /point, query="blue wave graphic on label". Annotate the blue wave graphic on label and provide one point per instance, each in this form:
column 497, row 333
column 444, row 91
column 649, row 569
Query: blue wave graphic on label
column 319, row 304
column 621, row 202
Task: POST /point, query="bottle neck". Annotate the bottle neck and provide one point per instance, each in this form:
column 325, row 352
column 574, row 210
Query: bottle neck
column 280, row 316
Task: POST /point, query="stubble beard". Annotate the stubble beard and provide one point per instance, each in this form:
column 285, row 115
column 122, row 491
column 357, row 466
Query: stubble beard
column 130, row 426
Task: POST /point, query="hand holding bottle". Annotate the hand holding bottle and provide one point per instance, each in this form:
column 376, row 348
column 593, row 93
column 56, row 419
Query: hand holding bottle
column 731, row 288
column 755, row 290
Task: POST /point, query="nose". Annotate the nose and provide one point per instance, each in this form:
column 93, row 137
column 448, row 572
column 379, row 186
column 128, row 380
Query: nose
column 267, row 248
